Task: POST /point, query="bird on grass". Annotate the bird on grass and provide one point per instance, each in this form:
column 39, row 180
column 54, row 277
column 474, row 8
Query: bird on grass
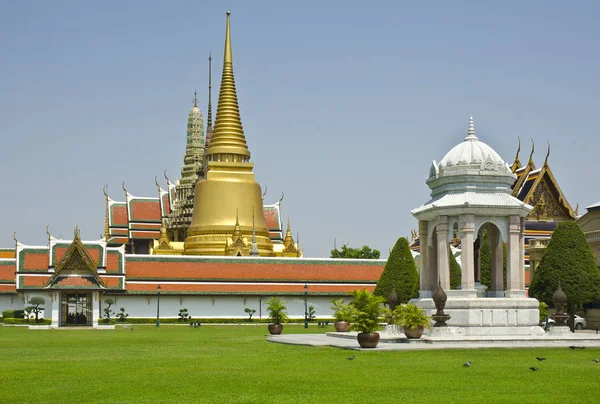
column 596, row 360
column 533, row 368
column 573, row 347
column 467, row 364
column 540, row 358
column 350, row 357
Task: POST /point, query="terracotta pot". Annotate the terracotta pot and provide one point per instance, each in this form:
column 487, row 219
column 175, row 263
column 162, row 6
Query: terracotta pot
column 341, row 326
column 275, row 328
column 368, row 339
column 413, row 332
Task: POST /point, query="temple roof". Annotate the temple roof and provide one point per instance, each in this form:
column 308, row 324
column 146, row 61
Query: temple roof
column 539, row 188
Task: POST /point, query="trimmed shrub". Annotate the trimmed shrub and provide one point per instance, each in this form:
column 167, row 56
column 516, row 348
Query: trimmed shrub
column 400, row 271
column 19, row 314
column 568, row 259
column 45, row 321
column 455, row 272
column 8, row 314
column 485, row 261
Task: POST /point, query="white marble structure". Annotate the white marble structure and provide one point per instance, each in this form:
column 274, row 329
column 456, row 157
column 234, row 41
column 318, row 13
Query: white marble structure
column 470, row 193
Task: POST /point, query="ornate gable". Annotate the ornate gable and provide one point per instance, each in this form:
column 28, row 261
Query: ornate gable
column 547, row 199
column 76, row 269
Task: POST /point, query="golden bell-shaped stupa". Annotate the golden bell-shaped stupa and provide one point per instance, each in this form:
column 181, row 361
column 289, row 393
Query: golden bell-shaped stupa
column 225, row 199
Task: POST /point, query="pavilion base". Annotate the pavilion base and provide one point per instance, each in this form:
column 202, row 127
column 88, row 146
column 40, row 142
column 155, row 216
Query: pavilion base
column 474, row 316
column 560, row 330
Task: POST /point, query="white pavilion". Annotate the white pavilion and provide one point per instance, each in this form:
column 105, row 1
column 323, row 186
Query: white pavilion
column 471, row 193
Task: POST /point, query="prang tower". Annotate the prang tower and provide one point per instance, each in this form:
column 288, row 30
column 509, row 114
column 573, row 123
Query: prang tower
column 229, row 194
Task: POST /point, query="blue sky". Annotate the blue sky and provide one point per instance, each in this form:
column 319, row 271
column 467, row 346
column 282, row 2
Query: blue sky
column 344, row 104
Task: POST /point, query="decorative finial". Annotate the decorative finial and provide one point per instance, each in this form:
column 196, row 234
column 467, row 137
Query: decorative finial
column 15, row 238
column 228, row 12
column 280, row 199
column 105, row 190
column 519, row 145
column 156, row 182
column 471, row 132
column 76, row 233
column 166, row 178
column 123, row 185
column 264, row 193
column 577, row 210
column 209, row 124
column 195, row 98
column 532, row 151
column 547, row 155
column 48, row 232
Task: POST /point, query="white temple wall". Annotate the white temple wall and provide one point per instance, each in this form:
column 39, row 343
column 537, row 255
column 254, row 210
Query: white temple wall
column 216, row 306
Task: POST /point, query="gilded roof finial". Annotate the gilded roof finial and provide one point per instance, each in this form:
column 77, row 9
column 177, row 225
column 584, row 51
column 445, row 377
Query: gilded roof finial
column 264, row 193
column 15, row 238
column 209, row 124
column 48, row 233
column 547, row 155
column 577, row 210
column 124, row 189
column 107, row 215
column 195, row 99
column 228, row 135
column 166, row 178
column 471, row 132
column 280, row 199
column 76, row 233
column 532, row 151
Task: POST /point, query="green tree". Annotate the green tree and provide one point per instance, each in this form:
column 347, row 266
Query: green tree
column 455, row 272
column 485, row 261
column 36, row 302
column 107, row 310
column 568, row 259
column 400, row 271
column 348, row 252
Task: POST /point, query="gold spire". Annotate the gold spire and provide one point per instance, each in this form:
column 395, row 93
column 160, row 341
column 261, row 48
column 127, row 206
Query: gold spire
column 237, row 231
column 228, row 135
column 288, row 240
column 106, row 223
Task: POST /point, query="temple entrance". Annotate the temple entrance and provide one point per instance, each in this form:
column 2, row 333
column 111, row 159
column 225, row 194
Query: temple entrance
column 76, row 309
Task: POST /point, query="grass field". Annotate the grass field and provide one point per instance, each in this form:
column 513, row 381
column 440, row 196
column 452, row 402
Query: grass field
column 223, row 364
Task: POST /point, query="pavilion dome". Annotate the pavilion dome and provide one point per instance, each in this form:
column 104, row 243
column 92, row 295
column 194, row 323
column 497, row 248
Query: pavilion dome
column 471, row 151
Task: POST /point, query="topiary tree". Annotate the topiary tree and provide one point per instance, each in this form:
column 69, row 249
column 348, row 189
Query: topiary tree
column 400, row 271
column 455, row 272
column 485, row 261
column 36, row 302
column 122, row 315
column 183, row 314
column 250, row 312
column 568, row 259
column 107, row 310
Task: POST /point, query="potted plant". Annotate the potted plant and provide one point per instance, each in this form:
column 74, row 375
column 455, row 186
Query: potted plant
column 366, row 310
column 277, row 314
column 341, row 313
column 413, row 319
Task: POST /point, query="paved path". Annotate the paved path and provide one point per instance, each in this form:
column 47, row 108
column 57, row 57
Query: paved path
column 348, row 341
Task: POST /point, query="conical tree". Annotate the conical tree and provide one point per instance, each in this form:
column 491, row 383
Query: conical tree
column 485, row 261
column 568, row 259
column 400, row 270
column 455, row 272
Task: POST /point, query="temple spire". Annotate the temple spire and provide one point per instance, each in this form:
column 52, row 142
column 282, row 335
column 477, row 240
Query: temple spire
column 228, row 135
column 471, row 132
column 106, row 223
column 254, row 245
column 195, row 99
column 209, row 123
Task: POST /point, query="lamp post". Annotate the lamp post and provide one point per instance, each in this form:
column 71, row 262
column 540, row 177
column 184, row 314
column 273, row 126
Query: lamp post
column 305, row 305
column 158, row 306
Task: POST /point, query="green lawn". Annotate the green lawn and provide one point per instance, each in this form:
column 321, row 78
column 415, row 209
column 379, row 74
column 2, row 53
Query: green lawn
column 224, row 364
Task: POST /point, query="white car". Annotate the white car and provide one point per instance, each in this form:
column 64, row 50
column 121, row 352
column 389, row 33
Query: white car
column 580, row 322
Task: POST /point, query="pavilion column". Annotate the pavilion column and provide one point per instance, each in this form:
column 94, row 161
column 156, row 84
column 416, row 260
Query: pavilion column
column 497, row 263
column 426, row 271
column 514, row 270
column 467, row 228
column 522, row 259
column 443, row 264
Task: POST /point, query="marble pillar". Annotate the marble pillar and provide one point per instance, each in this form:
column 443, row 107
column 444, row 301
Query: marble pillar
column 426, row 275
column 467, row 228
column 514, row 265
column 443, row 264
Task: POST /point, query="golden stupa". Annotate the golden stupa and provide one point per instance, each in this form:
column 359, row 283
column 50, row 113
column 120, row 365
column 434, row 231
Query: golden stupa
column 226, row 197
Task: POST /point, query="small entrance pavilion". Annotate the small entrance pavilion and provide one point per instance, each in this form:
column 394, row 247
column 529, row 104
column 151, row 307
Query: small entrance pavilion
column 471, row 193
column 75, row 288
